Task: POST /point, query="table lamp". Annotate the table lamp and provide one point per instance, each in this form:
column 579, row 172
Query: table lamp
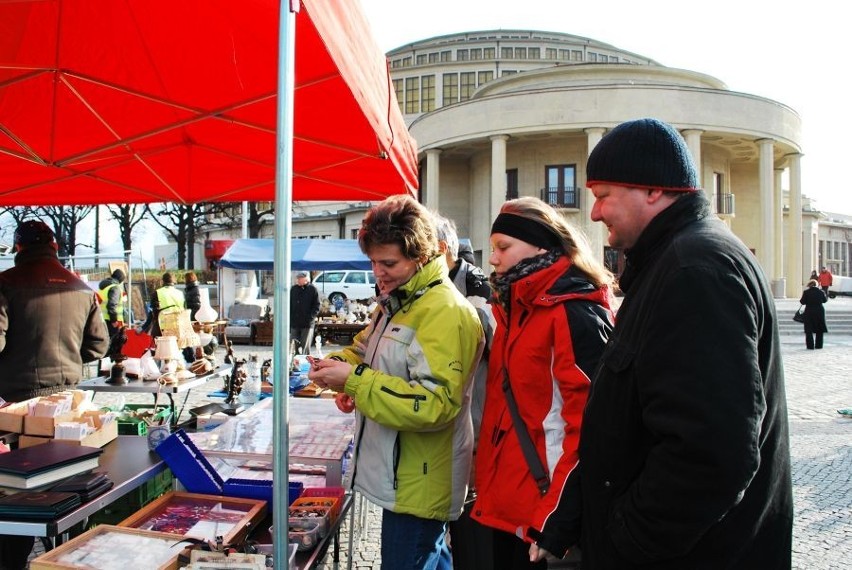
column 168, row 352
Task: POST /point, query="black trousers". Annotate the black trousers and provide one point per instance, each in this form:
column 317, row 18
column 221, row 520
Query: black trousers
column 14, row 551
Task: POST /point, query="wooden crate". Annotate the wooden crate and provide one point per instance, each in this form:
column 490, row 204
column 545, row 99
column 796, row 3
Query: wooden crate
column 108, row 546
column 230, row 517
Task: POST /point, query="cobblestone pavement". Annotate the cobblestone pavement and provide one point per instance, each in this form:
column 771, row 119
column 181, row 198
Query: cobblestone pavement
column 818, row 384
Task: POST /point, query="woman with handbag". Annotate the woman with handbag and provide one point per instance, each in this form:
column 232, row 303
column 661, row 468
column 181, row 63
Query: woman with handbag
column 813, row 299
column 553, row 319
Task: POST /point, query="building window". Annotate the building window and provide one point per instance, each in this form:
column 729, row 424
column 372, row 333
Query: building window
column 412, row 95
column 433, row 57
column 400, row 94
column 550, row 53
column 406, row 61
column 427, row 93
column 511, row 183
column 396, row 63
column 560, row 188
column 520, row 53
column 476, row 53
column 565, row 54
column 506, row 72
column 485, row 77
column 462, row 55
column 488, row 53
column 451, row 88
column 421, row 59
column 446, row 56
column 613, row 59
column 592, row 56
column 535, row 53
column 506, row 53
column 576, row 55
column 467, row 85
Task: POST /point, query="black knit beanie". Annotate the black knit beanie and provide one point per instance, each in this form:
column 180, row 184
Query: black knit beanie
column 645, row 153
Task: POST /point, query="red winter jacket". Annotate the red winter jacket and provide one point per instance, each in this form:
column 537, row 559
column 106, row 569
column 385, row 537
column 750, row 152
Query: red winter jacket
column 550, row 340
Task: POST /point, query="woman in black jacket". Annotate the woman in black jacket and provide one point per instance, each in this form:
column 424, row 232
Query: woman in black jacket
column 192, row 295
column 813, row 299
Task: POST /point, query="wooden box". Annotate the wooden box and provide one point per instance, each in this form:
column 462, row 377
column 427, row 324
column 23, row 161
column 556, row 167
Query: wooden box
column 12, row 416
column 98, row 439
column 34, row 425
column 204, row 517
column 108, row 546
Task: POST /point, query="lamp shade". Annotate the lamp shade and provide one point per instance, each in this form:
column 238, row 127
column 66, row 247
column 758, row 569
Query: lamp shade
column 167, row 348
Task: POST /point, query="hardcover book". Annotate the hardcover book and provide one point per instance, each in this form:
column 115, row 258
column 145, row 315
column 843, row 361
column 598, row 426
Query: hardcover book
column 31, row 467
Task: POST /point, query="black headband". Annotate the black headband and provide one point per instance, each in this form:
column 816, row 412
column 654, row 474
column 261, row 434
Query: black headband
column 527, row 230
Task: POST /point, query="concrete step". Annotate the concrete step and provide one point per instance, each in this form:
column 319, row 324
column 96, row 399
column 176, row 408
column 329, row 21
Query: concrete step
column 838, row 319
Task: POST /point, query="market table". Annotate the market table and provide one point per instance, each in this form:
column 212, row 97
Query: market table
column 126, row 461
column 101, row 384
column 338, row 331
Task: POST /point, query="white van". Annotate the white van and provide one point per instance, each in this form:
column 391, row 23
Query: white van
column 337, row 285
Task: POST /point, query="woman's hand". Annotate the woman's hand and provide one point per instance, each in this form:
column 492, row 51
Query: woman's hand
column 329, row 373
column 538, row 553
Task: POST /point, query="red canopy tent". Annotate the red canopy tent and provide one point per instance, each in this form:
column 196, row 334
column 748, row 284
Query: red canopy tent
column 122, row 101
column 132, row 101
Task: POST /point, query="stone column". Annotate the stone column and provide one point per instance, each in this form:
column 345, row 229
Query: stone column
column 796, row 272
column 595, row 231
column 778, row 235
column 766, row 245
column 498, row 190
column 692, row 137
column 433, row 178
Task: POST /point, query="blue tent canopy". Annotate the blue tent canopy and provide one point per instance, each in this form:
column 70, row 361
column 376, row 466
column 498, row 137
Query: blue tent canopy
column 306, row 254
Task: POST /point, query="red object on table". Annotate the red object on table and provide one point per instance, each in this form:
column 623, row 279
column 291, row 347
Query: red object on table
column 137, row 343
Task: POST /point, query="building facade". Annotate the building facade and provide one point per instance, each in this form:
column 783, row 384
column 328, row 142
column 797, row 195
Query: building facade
column 505, row 113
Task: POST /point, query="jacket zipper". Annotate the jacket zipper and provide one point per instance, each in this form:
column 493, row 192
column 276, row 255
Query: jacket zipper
column 416, row 397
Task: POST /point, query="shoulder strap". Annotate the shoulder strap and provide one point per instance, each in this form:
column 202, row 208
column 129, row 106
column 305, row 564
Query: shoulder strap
column 542, row 481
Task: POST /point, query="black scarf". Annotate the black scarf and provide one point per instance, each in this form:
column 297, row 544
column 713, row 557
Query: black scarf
column 501, row 284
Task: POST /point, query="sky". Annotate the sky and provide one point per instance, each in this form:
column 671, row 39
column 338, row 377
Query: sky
column 791, row 52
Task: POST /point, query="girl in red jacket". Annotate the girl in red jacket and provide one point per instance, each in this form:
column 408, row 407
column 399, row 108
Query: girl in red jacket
column 553, row 319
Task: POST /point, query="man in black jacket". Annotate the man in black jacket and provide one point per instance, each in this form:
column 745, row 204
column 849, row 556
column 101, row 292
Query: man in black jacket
column 304, row 307
column 50, row 324
column 684, row 445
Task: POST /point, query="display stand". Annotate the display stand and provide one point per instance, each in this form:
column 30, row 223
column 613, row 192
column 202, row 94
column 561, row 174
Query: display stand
column 153, row 387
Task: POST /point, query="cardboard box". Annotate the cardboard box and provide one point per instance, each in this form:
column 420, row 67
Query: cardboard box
column 12, row 416
column 45, row 426
column 98, row 439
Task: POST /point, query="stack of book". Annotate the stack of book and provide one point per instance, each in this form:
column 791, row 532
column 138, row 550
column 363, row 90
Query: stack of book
column 34, row 467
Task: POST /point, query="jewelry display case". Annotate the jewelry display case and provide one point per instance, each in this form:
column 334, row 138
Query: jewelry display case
column 108, row 546
column 200, row 516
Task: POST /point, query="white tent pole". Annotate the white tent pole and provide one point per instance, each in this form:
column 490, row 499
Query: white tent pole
column 281, row 302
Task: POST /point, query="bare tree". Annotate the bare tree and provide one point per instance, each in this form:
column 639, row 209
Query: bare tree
column 256, row 213
column 18, row 215
column 128, row 216
column 65, row 221
column 183, row 222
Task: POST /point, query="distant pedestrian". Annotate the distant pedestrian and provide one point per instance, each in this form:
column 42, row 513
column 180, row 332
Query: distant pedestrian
column 191, row 293
column 304, row 308
column 813, row 299
column 814, row 275
column 825, row 280
column 113, row 299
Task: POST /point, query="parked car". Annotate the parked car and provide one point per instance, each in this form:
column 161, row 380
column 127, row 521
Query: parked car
column 840, row 286
column 344, row 284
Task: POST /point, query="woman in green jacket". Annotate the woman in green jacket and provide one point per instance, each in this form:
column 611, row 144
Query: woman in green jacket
column 409, row 375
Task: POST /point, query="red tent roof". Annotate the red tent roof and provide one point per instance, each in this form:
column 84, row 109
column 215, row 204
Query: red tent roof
column 156, row 100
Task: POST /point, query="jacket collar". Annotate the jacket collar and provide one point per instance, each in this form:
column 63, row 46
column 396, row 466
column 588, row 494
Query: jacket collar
column 557, row 283
column 431, row 274
column 684, row 211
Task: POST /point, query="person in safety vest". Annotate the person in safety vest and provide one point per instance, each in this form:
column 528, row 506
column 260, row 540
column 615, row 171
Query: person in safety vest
column 113, row 297
column 166, row 300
